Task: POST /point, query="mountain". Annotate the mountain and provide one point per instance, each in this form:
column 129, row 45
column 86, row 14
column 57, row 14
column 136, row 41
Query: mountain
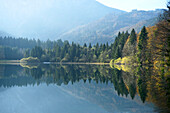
column 48, row 19
column 105, row 29
column 105, row 96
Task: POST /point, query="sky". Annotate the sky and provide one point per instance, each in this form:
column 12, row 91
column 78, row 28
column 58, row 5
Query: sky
column 129, row 5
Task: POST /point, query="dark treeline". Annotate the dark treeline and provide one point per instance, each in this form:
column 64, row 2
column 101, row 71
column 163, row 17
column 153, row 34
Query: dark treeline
column 9, row 53
column 27, row 43
column 76, row 53
column 118, row 45
column 15, row 48
column 56, row 51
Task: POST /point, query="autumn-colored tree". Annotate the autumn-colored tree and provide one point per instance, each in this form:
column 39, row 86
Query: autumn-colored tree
column 159, row 41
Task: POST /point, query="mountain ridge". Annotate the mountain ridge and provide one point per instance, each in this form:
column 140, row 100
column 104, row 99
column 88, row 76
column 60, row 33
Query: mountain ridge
column 50, row 19
column 105, row 29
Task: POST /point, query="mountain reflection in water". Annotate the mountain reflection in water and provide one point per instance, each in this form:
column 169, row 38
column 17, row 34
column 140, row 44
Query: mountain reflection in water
column 81, row 88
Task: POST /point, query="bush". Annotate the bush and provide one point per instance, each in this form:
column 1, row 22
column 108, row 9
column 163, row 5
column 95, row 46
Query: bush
column 30, row 60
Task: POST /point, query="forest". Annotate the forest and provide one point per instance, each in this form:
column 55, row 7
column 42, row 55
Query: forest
column 142, row 61
column 149, row 46
column 56, row 51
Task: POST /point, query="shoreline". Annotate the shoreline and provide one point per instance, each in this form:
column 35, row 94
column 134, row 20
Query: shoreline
column 87, row 63
column 81, row 63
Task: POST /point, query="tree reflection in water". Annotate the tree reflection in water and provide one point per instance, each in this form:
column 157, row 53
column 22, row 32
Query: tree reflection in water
column 151, row 84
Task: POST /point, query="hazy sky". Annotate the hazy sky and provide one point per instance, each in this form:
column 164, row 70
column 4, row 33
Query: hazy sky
column 128, row 5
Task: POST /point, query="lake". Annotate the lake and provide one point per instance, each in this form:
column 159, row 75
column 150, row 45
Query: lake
column 54, row 88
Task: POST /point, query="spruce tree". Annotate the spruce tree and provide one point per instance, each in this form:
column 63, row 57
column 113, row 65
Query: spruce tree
column 132, row 37
column 85, row 45
column 117, row 53
column 107, row 46
column 90, row 46
column 142, row 46
column 103, row 47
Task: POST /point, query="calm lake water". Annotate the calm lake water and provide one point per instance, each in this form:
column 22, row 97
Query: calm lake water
column 72, row 89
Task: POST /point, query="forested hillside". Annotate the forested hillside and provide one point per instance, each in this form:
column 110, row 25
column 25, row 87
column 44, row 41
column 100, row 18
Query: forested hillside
column 106, row 29
column 91, row 21
column 149, row 46
column 143, row 56
column 146, row 55
column 56, row 51
column 15, row 48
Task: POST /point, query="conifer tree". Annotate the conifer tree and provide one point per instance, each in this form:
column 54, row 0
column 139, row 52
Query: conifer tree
column 107, row 46
column 104, row 47
column 117, row 53
column 85, row 45
column 132, row 37
column 142, row 46
column 90, row 46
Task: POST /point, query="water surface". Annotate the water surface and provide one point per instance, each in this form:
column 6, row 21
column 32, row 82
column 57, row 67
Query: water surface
column 71, row 89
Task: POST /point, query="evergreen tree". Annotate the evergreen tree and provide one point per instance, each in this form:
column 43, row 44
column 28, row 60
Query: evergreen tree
column 72, row 51
column 104, row 47
column 78, row 51
column 107, row 46
column 37, row 52
column 90, row 46
column 57, row 51
column 101, row 47
column 142, row 46
column 62, row 53
column 85, row 45
column 27, row 53
column 117, row 53
column 97, row 46
column 132, row 37
column 142, row 86
column 132, row 90
column 126, row 35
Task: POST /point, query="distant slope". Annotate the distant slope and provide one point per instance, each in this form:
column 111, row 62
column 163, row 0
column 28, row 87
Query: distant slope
column 105, row 29
column 48, row 19
column 3, row 34
column 106, row 97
